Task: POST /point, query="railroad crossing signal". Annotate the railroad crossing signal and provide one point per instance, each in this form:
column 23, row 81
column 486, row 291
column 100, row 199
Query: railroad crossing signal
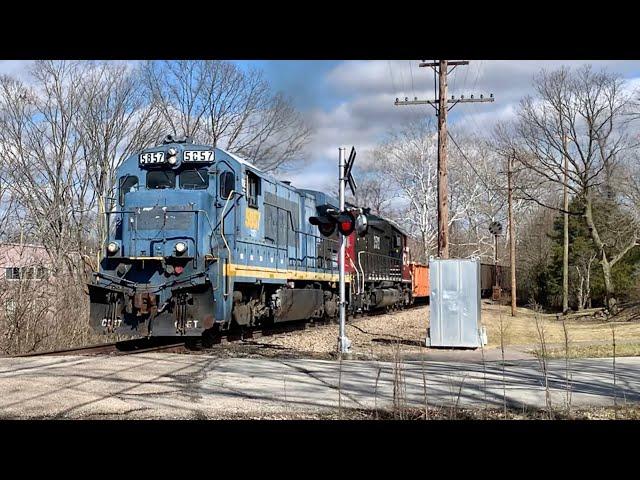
column 347, row 171
column 495, row 228
column 326, row 223
column 347, row 221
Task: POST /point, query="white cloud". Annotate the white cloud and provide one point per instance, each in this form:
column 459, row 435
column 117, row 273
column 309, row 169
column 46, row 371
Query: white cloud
column 16, row 68
column 370, row 88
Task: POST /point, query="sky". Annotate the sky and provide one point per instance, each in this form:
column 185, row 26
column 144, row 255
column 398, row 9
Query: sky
column 350, row 103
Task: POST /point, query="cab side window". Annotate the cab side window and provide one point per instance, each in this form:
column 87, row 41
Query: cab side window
column 253, row 189
column 227, row 180
column 128, row 183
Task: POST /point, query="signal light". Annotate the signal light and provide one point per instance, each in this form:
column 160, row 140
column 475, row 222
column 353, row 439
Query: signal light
column 326, row 225
column 346, row 223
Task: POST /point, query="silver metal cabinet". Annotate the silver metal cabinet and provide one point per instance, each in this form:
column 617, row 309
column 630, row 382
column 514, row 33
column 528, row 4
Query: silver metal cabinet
column 455, row 304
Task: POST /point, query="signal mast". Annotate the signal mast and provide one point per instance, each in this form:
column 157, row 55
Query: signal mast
column 346, row 222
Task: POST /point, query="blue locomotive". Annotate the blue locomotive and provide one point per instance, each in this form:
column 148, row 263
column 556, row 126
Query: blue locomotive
column 201, row 239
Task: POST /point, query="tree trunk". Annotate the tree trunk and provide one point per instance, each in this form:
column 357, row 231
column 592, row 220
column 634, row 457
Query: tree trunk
column 580, row 294
column 425, row 247
column 608, row 284
column 606, row 267
column 565, row 250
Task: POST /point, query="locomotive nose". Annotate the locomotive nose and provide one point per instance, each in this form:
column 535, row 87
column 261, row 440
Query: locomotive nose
column 171, row 230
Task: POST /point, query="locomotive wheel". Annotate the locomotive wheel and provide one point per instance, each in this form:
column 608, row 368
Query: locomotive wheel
column 195, row 343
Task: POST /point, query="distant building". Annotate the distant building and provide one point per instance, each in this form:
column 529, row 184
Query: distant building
column 23, row 261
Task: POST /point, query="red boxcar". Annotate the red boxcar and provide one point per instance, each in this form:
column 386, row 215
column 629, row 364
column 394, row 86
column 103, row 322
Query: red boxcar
column 419, row 279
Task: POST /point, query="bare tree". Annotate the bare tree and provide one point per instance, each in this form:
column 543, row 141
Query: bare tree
column 579, row 115
column 115, row 122
column 66, row 133
column 217, row 103
column 373, row 191
column 408, row 158
column 6, row 203
column 44, row 155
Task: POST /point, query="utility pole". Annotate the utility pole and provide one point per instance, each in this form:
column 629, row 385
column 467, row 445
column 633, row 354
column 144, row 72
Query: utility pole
column 441, row 68
column 512, row 236
column 565, row 250
column 443, row 173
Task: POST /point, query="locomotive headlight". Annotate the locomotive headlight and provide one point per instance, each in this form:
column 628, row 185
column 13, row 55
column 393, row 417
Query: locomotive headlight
column 171, row 153
column 181, row 247
column 113, row 247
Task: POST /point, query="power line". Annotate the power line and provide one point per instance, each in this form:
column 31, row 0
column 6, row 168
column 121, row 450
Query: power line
column 401, row 74
column 473, row 120
column 393, row 85
column 470, row 164
column 477, row 75
column 413, row 88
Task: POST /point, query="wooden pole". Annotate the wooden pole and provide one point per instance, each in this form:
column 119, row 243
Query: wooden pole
column 512, row 238
column 443, row 203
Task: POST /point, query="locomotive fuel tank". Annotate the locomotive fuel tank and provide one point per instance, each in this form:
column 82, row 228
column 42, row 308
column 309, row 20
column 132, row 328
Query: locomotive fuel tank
column 385, row 297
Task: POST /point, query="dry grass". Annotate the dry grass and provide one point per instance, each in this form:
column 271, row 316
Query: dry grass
column 629, row 412
column 597, row 351
column 521, row 330
column 379, row 336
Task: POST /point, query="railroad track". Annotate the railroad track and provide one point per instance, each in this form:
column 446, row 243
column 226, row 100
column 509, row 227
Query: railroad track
column 194, row 345
column 127, row 347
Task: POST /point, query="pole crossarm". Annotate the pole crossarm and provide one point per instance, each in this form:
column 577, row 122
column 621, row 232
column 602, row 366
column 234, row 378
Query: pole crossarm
column 449, row 62
column 450, row 100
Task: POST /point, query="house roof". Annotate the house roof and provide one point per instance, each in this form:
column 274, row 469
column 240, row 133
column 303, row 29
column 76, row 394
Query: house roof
column 22, row 255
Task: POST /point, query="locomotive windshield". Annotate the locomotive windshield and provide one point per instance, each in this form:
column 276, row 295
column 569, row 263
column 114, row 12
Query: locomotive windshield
column 194, row 179
column 161, row 179
column 128, row 183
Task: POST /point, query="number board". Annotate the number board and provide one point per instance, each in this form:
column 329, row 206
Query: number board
column 151, row 158
column 198, row 156
column 252, row 219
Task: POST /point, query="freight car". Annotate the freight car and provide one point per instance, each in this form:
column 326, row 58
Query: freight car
column 419, row 274
column 419, row 281
column 489, row 274
column 201, row 240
